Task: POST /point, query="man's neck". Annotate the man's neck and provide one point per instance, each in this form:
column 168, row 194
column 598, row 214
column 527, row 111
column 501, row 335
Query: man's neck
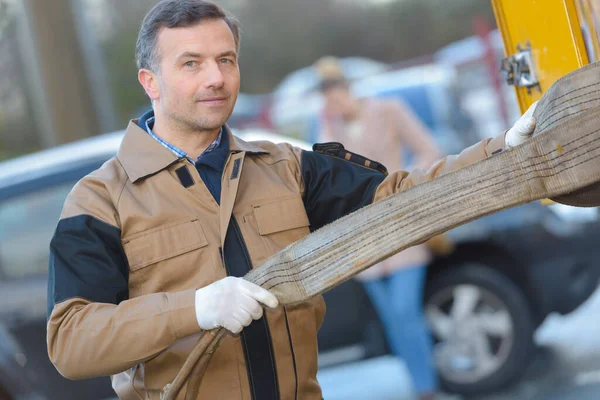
column 192, row 142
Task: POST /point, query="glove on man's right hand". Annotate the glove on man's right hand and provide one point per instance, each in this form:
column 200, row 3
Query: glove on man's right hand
column 231, row 303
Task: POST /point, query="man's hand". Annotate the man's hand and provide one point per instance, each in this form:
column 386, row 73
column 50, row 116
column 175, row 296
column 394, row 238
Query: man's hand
column 231, row 303
column 522, row 130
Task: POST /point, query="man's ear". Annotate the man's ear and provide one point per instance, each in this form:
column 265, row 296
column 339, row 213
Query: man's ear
column 149, row 80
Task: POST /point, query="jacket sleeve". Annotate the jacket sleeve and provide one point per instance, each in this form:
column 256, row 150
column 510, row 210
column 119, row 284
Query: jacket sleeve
column 334, row 187
column 94, row 329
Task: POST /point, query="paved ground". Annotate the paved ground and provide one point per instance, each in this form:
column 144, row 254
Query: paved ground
column 567, row 366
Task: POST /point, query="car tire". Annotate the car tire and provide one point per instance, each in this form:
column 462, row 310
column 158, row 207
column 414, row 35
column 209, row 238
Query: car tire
column 508, row 300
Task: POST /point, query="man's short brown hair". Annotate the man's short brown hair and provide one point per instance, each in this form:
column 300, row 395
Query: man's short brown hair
column 176, row 14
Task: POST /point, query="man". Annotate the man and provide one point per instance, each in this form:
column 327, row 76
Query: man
column 382, row 129
column 149, row 248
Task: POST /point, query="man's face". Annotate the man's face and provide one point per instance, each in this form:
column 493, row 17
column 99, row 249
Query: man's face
column 339, row 101
column 199, row 77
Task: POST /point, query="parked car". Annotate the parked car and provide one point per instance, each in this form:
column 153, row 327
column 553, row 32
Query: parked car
column 507, row 273
column 32, row 191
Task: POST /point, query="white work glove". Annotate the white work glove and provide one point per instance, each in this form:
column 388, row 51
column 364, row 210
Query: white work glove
column 231, row 303
column 522, row 130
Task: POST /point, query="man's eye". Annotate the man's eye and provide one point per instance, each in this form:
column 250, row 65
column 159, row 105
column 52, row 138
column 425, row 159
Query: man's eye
column 226, row 61
column 190, row 64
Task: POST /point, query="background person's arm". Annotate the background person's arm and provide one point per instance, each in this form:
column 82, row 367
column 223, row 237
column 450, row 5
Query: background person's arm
column 414, row 134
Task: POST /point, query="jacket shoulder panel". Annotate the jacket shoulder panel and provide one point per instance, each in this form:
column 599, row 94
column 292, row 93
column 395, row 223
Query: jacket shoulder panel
column 335, row 187
column 97, row 194
column 337, row 150
column 275, row 152
column 283, row 152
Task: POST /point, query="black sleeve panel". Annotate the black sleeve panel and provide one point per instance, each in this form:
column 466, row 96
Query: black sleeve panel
column 87, row 260
column 334, row 187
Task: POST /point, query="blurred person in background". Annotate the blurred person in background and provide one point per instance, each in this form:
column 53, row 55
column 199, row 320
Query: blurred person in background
column 381, row 129
column 151, row 248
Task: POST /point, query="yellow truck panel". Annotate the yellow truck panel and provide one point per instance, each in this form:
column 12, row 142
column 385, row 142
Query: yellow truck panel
column 554, row 30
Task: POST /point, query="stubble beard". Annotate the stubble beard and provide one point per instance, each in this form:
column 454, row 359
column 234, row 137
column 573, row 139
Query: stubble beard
column 200, row 123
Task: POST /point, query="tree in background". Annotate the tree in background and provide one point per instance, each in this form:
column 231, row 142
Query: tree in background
column 3, row 16
column 18, row 133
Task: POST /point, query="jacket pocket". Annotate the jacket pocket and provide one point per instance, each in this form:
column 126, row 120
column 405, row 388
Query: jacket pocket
column 280, row 215
column 163, row 242
column 281, row 222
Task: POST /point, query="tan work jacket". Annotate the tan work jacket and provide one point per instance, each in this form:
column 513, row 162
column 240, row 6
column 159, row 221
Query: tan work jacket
column 134, row 243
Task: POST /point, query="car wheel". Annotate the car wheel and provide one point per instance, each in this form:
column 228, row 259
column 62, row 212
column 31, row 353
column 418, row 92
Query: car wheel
column 482, row 327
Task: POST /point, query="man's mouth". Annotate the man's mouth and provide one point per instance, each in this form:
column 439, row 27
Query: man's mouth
column 213, row 101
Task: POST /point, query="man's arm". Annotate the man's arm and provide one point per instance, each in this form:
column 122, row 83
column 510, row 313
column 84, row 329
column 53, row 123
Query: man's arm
column 402, row 180
column 334, row 187
column 515, row 136
column 94, row 329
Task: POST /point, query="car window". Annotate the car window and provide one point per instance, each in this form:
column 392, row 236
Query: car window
column 27, row 223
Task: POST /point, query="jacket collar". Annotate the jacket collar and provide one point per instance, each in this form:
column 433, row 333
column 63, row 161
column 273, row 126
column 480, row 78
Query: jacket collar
column 237, row 145
column 142, row 156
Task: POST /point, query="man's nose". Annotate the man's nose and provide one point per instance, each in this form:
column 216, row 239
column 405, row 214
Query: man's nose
column 214, row 76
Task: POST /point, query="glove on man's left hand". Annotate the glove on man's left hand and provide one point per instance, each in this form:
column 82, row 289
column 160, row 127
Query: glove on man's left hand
column 522, row 130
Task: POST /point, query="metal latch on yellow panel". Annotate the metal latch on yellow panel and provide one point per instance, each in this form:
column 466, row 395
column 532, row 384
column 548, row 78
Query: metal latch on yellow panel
column 519, row 69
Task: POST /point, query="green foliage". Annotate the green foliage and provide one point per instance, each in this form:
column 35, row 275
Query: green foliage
column 128, row 94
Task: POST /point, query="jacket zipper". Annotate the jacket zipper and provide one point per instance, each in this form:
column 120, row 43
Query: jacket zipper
column 236, row 228
column 238, row 233
column 222, row 258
